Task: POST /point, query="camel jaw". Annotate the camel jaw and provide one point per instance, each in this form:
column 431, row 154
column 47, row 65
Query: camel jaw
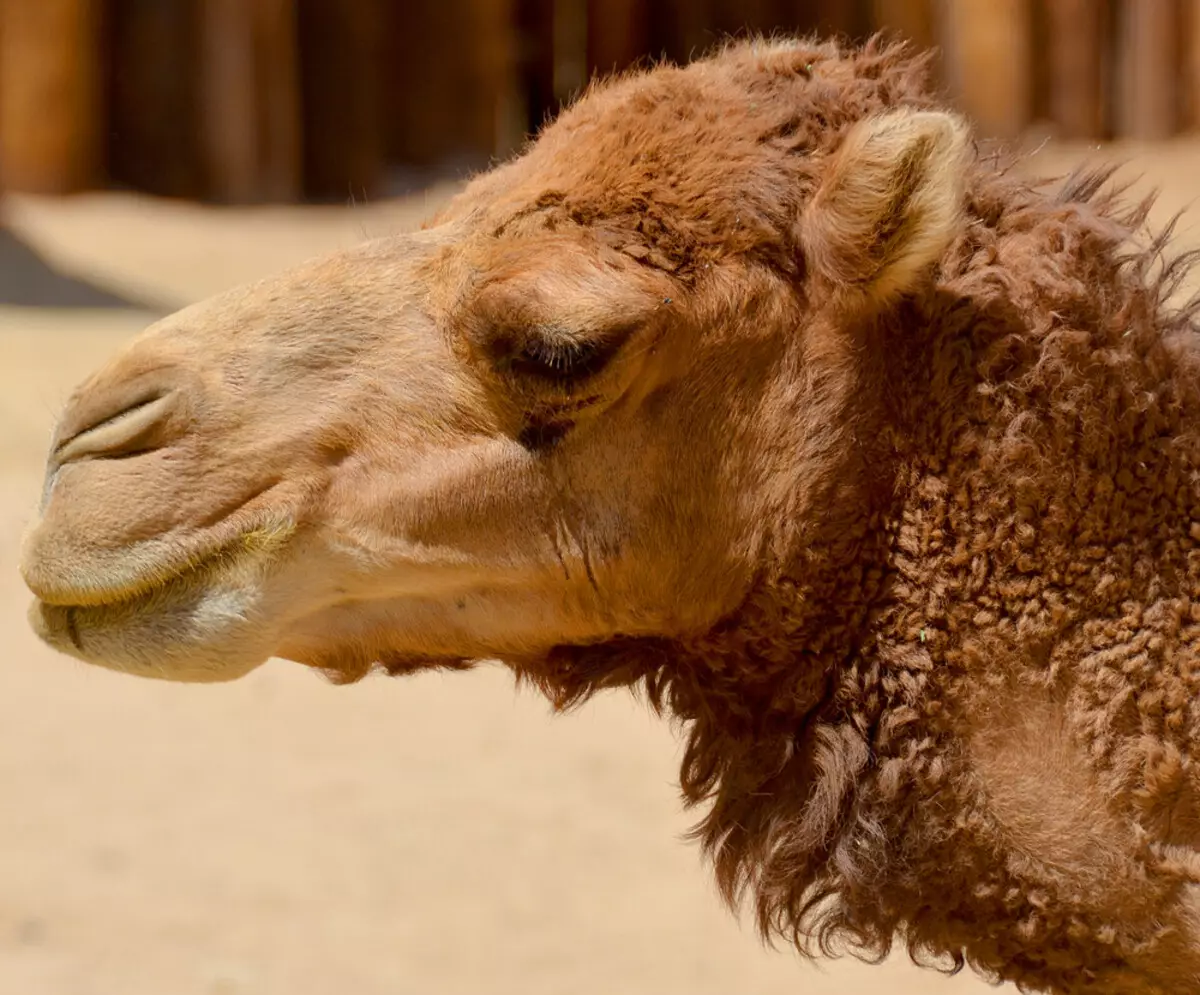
column 184, row 620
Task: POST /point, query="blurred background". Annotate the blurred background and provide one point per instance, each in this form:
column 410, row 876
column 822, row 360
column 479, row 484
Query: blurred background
column 243, row 101
column 442, row 833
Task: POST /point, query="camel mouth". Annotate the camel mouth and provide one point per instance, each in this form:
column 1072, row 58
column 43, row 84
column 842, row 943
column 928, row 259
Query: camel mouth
column 261, row 541
column 194, row 610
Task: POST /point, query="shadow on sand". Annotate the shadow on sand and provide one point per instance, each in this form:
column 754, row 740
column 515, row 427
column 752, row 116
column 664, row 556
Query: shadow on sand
column 27, row 280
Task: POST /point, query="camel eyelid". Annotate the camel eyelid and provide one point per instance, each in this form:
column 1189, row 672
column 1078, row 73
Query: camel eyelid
column 551, row 353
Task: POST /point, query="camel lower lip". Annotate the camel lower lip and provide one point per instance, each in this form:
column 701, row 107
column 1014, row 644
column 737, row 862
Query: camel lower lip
column 189, row 605
column 140, row 589
column 152, row 583
column 65, row 624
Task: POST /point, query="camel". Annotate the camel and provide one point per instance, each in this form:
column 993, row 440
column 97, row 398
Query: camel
column 752, row 385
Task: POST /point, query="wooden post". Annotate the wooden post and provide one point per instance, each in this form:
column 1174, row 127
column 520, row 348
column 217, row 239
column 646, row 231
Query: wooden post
column 341, row 49
column 688, row 23
column 843, row 18
column 534, row 58
column 153, row 143
column 490, row 36
column 50, row 95
column 1147, row 67
column 455, row 89
column 570, row 22
column 228, row 121
column 1077, row 33
column 617, row 34
column 250, row 100
column 422, row 56
column 987, row 46
column 280, row 131
column 910, row 19
column 741, row 18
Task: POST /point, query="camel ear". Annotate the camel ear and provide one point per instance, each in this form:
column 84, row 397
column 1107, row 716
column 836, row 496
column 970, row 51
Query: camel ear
column 889, row 204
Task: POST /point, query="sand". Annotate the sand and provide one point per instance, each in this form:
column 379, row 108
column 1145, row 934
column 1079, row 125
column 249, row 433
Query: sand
column 280, row 836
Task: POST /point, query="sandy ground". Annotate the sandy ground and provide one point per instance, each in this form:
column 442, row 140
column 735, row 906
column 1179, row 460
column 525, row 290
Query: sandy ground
column 441, row 834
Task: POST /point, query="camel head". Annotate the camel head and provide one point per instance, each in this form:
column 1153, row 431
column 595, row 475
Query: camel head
column 599, row 396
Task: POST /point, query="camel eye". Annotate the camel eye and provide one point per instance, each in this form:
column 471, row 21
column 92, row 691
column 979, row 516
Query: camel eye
column 561, row 359
column 555, row 356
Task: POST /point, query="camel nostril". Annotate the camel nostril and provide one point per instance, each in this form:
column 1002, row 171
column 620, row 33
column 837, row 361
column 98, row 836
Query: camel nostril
column 131, row 429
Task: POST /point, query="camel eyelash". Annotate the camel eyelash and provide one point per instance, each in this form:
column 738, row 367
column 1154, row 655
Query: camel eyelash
column 561, row 359
column 554, row 356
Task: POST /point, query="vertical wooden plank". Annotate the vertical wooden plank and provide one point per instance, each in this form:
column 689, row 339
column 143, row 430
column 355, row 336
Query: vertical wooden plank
column 422, row 65
column 341, row 55
column 570, row 49
column 845, row 19
column 1147, row 66
column 781, row 16
column 229, row 119
column 249, row 121
column 987, row 47
column 50, row 95
column 799, row 16
column 455, row 88
column 498, row 115
column 742, row 18
column 153, row 98
column 910, row 19
column 533, row 55
column 1077, row 33
column 617, row 34
column 689, row 23
column 789, row 17
column 279, row 123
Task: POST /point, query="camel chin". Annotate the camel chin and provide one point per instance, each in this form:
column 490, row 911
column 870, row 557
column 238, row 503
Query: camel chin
column 198, row 627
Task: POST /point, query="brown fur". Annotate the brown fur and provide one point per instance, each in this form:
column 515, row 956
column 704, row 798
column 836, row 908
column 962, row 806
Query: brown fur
column 882, row 482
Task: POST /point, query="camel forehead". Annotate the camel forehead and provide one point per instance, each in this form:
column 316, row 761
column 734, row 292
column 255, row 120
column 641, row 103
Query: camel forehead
column 688, row 164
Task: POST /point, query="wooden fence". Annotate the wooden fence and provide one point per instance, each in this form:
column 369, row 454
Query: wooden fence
column 282, row 100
